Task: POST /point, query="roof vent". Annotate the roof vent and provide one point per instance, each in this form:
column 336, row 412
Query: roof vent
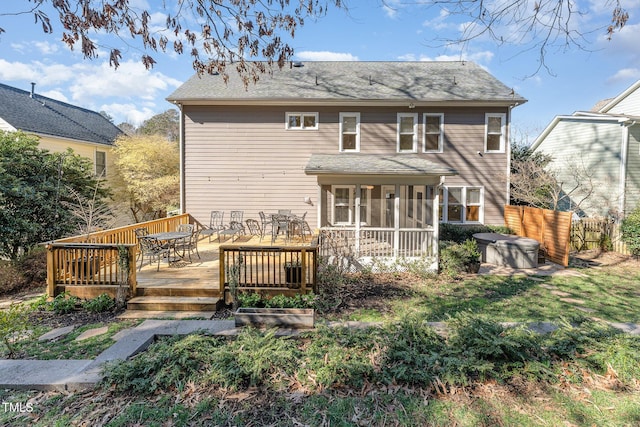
column 298, row 64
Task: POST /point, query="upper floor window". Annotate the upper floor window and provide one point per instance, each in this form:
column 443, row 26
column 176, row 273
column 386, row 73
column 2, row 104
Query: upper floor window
column 302, row 121
column 433, row 132
column 407, row 132
column 101, row 164
column 349, row 131
column 495, row 135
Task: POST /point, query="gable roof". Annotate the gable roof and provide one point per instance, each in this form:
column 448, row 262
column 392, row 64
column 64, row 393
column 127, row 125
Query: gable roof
column 45, row 116
column 605, row 107
column 422, row 83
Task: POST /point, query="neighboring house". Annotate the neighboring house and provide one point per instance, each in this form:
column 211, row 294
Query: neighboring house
column 603, row 147
column 375, row 150
column 59, row 125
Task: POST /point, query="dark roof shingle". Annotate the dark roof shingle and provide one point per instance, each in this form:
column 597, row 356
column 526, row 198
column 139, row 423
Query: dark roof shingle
column 374, row 164
column 46, row 116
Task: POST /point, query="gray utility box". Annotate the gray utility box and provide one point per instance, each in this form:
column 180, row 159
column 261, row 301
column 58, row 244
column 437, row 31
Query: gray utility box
column 507, row 250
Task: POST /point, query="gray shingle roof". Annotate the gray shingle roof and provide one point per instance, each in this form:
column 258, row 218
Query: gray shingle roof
column 374, row 164
column 47, row 116
column 362, row 81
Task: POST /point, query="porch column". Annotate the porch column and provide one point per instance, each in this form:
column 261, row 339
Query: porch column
column 357, row 219
column 396, row 222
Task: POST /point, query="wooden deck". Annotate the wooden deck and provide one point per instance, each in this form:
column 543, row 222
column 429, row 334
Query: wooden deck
column 192, row 286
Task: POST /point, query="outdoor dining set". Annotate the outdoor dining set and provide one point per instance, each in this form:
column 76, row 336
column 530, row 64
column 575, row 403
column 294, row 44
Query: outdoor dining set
column 180, row 244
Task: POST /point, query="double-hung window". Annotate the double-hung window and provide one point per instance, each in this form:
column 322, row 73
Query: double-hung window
column 433, row 132
column 349, row 131
column 343, row 210
column 496, row 132
column 302, row 121
column 101, row 164
column 407, row 132
column 461, row 204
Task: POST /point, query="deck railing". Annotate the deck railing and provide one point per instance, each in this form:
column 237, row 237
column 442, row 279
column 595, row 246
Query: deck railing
column 286, row 269
column 102, row 261
column 373, row 242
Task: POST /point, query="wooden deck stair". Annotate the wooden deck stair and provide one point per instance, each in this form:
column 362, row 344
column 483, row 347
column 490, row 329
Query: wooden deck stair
column 175, row 299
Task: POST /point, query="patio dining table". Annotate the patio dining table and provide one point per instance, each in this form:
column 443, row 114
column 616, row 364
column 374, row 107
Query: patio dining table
column 171, row 237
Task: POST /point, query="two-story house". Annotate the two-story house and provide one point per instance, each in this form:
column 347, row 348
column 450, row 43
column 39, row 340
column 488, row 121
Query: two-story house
column 382, row 151
column 59, row 125
column 601, row 149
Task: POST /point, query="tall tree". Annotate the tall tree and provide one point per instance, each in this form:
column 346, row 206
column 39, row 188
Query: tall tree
column 35, row 186
column 164, row 124
column 147, row 175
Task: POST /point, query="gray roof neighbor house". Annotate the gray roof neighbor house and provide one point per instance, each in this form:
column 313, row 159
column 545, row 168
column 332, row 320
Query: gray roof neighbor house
column 30, row 112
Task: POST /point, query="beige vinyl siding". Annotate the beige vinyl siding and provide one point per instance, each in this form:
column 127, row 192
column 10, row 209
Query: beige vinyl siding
column 592, row 146
column 632, row 181
column 244, row 158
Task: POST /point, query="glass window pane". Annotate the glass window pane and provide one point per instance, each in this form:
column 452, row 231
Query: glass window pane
column 406, row 124
column 495, row 124
column 348, row 142
column 455, row 195
column 432, row 142
column 454, row 213
column 406, row 142
column 433, row 124
column 473, row 196
column 294, row 121
column 493, row 142
column 473, row 213
column 342, row 214
column 309, row 121
column 349, row 124
column 342, row 196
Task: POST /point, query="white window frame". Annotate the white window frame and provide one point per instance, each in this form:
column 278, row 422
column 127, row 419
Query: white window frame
column 440, row 135
column 444, row 201
column 102, row 173
column 503, row 132
column 342, row 132
column 351, row 204
column 414, row 148
column 302, row 116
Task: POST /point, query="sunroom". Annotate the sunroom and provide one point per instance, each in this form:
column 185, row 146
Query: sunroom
column 378, row 207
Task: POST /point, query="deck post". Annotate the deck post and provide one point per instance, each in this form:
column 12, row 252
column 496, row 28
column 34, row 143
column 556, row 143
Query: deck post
column 51, row 279
column 222, row 270
column 303, row 264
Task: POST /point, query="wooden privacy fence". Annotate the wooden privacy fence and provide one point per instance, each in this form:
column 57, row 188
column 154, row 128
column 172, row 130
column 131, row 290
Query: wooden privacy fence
column 597, row 233
column 89, row 265
column 270, row 270
column 551, row 228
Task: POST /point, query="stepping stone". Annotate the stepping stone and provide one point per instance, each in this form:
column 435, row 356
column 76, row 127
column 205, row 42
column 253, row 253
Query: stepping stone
column 548, row 286
column 572, row 301
column 92, row 333
column 56, row 333
column 586, row 310
column 561, row 294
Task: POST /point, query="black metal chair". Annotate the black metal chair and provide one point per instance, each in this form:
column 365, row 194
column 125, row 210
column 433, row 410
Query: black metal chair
column 152, row 249
column 254, row 227
column 190, row 244
column 264, row 222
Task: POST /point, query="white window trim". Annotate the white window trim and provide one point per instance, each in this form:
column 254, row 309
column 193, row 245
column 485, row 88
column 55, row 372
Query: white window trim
column 415, row 132
column 440, row 136
column 503, row 131
column 351, row 205
column 301, row 114
column 357, row 116
column 445, row 201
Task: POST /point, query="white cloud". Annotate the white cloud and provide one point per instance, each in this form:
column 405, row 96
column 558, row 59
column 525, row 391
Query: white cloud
column 325, row 56
column 482, row 57
column 130, row 113
column 54, row 94
column 625, row 75
column 46, row 48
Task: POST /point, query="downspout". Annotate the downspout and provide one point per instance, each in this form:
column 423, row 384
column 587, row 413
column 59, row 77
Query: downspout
column 508, row 143
column 183, row 206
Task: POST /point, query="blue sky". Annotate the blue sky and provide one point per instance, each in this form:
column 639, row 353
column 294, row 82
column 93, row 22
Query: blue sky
column 396, row 30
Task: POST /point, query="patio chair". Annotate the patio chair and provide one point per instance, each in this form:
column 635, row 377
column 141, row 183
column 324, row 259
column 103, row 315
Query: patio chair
column 235, row 229
column 185, row 228
column 264, row 222
column 140, row 232
column 236, row 216
column 280, row 223
column 300, row 227
column 189, row 245
column 254, row 227
column 215, row 224
column 284, row 211
column 152, row 249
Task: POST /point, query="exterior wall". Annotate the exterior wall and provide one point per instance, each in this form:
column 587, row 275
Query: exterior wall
column 84, row 149
column 6, row 126
column 632, row 179
column 629, row 106
column 592, row 146
column 244, row 158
